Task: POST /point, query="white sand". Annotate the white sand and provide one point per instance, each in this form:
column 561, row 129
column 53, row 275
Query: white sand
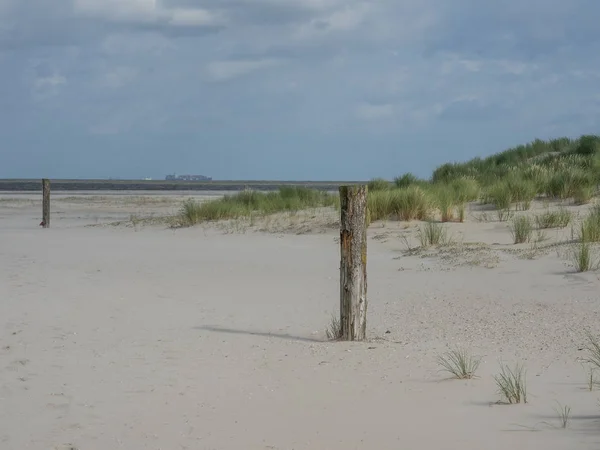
column 150, row 338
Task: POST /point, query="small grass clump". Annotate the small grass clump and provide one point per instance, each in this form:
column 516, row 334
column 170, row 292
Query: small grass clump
column 583, row 195
column 499, row 195
column 521, row 229
column 590, row 227
column 445, row 201
column 432, row 234
column 568, row 181
column 512, row 384
column 522, row 192
column 459, row 363
column 564, row 414
column 583, row 258
column 593, row 350
column 553, row 219
column 334, row 330
column 247, row 203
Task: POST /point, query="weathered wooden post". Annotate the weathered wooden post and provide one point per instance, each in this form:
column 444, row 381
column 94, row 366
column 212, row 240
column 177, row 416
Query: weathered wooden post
column 45, row 203
column 353, row 266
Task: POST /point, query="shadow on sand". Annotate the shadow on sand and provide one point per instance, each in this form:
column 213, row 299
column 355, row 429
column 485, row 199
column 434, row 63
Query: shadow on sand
column 288, row 337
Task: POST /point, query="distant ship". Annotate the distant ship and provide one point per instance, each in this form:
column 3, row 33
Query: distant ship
column 187, row 178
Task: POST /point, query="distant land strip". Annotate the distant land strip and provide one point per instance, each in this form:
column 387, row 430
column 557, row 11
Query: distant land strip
column 28, row 185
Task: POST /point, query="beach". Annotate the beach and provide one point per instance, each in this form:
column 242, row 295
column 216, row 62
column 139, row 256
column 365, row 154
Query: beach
column 120, row 331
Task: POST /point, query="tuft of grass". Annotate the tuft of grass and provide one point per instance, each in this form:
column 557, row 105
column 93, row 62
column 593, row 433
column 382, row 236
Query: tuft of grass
column 591, row 380
column 554, row 219
column 500, row 196
column 522, row 192
column 590, row 227
column 460, row 363
column 564, row 414
column 512, row 384
column 583, row 258
column 521, row 229
column 432, row 234
column 334, row 330
column 583, row 195
column 567, row 181
column 411, row 203
column 445, row 200
column 593, row 350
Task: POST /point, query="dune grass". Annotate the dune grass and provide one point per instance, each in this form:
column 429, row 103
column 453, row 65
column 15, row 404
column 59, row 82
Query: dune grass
column 589, row 230
column 553, row 219
column 512, row 384
column 246, row 203
column 521, row 229
column 555, row 170
column 459, row 363
column 379, row 184
column 411, row 203
column 564, row 414
column 432, row 234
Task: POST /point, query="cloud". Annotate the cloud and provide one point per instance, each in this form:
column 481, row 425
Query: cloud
column 284, row 78
column 228, row 70
column 118, row 77
column 369, row 111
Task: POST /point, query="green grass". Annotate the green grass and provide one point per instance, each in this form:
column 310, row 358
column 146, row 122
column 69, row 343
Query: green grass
column 553, row 219
column 521, row 229
column 511, row 383
column 589, row 230
column 592, row 349
column 334, row 330
column 411, row 203
column 582, row 257
column 247, row 203
column 459, row 363
column 432, row 234
column 557, row 169
column 379, row 184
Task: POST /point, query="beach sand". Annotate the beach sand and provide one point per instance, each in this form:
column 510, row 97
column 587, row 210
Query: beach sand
column 134, row 335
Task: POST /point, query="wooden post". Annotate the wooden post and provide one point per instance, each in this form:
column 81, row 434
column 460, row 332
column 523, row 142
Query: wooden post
column 45, row 203
column 353, row 266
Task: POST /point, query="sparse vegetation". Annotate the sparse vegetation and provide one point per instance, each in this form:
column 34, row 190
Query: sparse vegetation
column 459, row 363
column 432, row 233
column 583, row 258
column 593, row 353
column 558, row 169
column 521, row 229
column 512, row 384
column 553, row 219
column 334, row 330
column 590, row 227
column 564, row 413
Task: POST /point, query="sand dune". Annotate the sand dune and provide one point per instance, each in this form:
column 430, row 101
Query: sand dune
column 138, row 336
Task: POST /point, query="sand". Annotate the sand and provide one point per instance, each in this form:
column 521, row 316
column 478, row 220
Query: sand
column 133, row 335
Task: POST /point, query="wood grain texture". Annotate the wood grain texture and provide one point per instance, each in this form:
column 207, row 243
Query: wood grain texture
column 353, row 265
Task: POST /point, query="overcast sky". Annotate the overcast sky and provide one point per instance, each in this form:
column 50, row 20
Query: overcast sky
column 288, row 89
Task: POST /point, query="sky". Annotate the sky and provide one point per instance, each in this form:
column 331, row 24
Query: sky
column 288, row 89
